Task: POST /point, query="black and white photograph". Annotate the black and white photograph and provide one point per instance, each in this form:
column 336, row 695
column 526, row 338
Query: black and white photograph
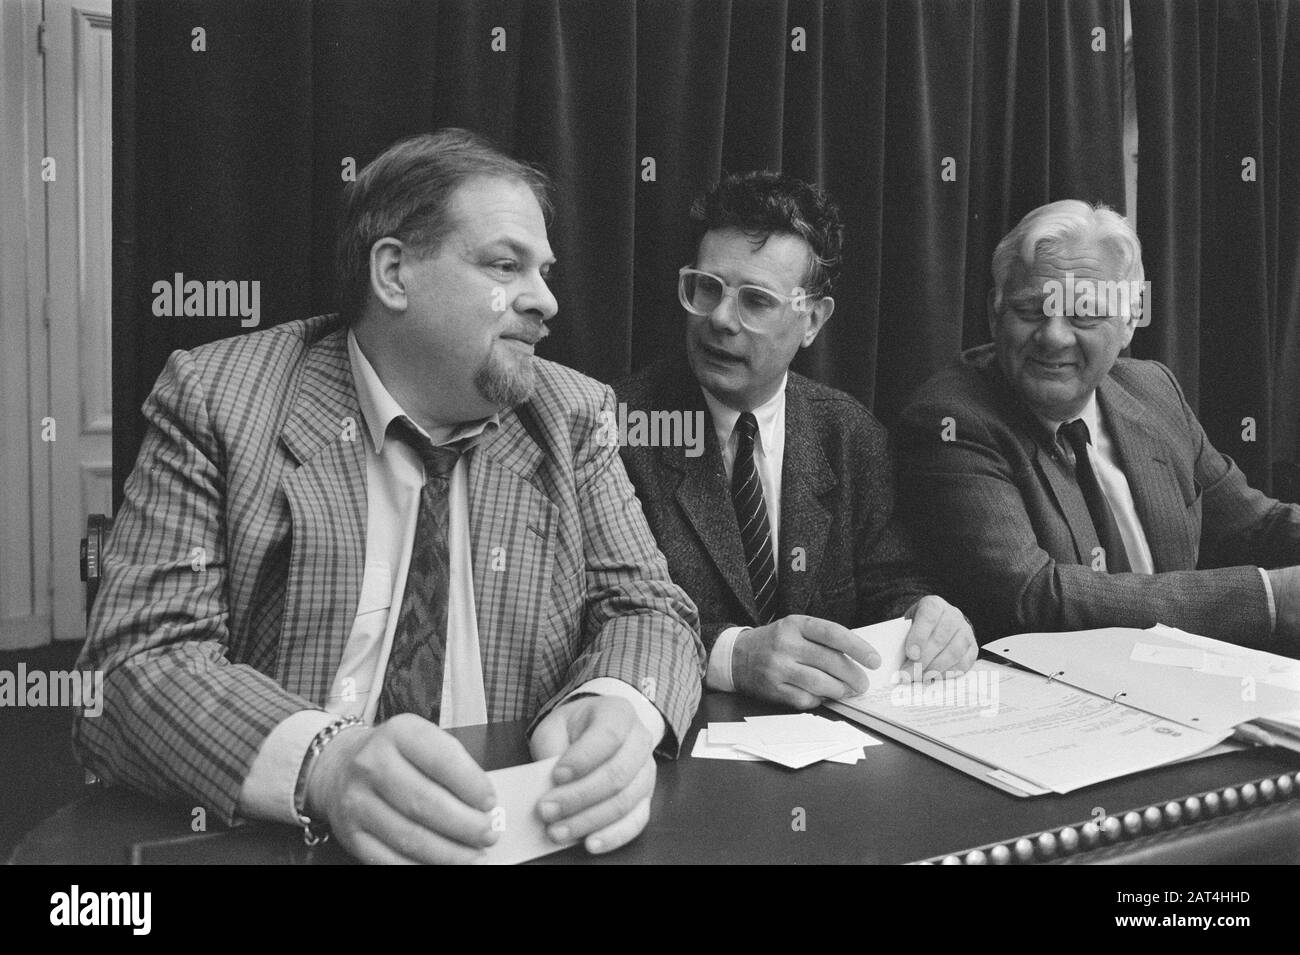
column 651, row 432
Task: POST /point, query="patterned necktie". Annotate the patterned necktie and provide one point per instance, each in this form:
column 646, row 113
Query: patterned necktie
column 413, row 680
column 1103, row 519
column 751, row 516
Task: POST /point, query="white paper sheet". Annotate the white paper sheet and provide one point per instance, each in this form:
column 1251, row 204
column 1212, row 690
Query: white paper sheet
column 887, row 639
column 1233, row 684
column 523, row 834
column 1188, row 657
column 794, row 740
column 1044, row 732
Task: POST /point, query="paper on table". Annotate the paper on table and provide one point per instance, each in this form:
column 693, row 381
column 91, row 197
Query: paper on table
column 1024, row 785
column 798, row 728
column 1100, row 661
column 1288, row 721
column 788, row 739
column 797, row 756
column 887, row 639
column 705, row 748
column 1227, row 659
column 523, row 834
column 849, row 757
column 1041, row 731
column 729, row 734
column 1208, row 644
column 1188, row 657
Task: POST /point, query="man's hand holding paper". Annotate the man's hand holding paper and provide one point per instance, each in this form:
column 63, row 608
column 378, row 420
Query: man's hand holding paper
column 940, row 643
column 605, row 774
column 404, row 791
column 803, row 661
column 799, row 661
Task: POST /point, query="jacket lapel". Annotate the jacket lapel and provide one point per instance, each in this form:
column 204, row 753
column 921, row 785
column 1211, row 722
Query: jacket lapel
column 326, row 494
column 1148, row 461
column 806, row 480
column 1054, row 472
column 705, row 499
column 512, row 524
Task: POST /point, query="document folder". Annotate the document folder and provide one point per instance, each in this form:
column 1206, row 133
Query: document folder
column 1228, row 686
column 1079, row 708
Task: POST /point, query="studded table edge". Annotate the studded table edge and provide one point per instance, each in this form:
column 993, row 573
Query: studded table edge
column 1047, row 845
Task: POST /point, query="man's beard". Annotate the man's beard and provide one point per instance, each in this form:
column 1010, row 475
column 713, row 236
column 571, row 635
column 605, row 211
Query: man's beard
column 506, row 382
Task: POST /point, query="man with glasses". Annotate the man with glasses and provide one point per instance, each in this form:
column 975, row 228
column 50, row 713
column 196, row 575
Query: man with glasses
column 782, row 530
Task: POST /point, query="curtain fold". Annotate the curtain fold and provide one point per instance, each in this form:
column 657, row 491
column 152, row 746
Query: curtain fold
column 237, row 157
column 1218, row 95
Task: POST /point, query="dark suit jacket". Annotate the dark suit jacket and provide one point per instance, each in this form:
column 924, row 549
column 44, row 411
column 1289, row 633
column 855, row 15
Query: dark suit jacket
column 843, row 555
column 255, row 454
column 1008, row 524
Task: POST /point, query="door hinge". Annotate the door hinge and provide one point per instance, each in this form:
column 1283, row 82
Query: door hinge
column 40, row 38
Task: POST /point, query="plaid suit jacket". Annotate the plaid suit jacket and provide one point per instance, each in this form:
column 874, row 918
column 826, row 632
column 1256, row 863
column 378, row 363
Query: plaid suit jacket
column 844, row 556
column 234, row 569
column 1008, row 523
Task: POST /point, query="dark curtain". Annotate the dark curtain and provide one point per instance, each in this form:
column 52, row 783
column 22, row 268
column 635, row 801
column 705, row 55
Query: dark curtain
column 227, row 162
column 1218, row 96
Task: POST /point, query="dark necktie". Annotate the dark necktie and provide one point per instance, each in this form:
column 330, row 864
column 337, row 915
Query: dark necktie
column 1103, row 519
column 751, row 515
column 413, row 680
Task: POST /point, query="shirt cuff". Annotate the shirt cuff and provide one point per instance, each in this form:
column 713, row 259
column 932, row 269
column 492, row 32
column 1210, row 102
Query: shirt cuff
column 1272, row 603
column 719, row 675
column 268, row 788
column 646, row 711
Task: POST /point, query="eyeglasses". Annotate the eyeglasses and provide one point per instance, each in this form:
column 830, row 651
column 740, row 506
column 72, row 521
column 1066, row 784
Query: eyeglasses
column 759, row 308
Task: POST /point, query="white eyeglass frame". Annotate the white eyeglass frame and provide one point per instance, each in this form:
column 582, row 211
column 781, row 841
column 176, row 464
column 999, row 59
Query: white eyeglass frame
column 799, row 299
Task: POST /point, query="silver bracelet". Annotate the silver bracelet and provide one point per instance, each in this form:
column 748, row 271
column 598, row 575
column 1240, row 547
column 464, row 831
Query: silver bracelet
column 314, row 833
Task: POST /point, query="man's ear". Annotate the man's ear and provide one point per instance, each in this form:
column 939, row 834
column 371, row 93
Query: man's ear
column 386, row 273
column 817, row 318
column 993, row 312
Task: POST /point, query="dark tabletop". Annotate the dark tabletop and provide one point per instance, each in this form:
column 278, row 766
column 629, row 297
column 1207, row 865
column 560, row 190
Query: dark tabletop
column 894, row 806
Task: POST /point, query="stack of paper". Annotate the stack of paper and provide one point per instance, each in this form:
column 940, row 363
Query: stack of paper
column 796, row 740
column 1281, row 729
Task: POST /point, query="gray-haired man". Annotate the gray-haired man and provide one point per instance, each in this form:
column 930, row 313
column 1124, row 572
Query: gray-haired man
column 1062, row 487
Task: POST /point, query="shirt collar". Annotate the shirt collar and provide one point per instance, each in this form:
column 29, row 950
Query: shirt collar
column 767, row 415
column 379, row 408
column 1090, row 415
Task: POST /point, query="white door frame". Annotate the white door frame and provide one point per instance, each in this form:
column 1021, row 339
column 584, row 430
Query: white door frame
column 79, row 135
column 25, row 512
column 55, row 309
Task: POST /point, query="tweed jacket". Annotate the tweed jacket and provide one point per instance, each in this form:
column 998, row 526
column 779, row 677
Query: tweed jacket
column 844, row 557
column 234, row 568
column 1009, row 526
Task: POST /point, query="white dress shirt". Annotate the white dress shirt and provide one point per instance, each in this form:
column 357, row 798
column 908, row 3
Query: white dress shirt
column 769, row 455
column 394, row 480
column 1114, row 485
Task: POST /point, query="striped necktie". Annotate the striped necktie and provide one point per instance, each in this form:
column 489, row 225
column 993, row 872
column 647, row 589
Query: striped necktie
column 413, row 680
column 751, row 516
